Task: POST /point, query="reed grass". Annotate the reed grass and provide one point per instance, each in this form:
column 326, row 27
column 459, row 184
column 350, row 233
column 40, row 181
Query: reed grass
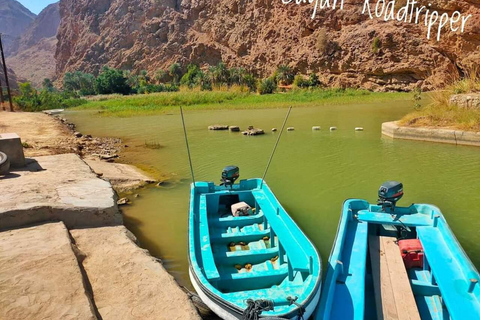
column 441, row 114
column 236, row 98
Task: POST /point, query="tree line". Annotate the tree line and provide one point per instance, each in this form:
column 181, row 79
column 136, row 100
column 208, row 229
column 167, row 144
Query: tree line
column 76, row 85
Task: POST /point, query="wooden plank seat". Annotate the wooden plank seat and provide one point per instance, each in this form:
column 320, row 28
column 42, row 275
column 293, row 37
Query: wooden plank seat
column 209, row 266
column 393, row 294
column 297, row 258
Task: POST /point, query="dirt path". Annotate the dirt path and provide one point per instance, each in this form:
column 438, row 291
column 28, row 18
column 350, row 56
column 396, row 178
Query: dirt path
column 41, row 134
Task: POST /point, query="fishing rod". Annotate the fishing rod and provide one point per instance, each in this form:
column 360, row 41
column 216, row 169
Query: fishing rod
column 275, row 147
column 188, row 147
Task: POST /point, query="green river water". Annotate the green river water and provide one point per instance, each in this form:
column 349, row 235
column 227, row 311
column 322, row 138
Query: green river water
column 312, row 172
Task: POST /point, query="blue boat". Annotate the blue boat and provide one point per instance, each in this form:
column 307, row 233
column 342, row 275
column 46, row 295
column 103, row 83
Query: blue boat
column 392, row 262
column 252, row 262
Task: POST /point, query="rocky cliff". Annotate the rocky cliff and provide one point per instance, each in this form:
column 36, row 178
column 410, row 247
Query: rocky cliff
column 14, row 20
column 12, row 79
column 34, row 57
column 344, row 47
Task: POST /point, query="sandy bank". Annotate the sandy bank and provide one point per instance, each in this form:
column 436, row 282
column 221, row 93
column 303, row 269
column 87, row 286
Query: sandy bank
column 457, row 137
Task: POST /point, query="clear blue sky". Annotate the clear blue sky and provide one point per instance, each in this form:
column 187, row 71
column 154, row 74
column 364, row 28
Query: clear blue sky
column 36, row 5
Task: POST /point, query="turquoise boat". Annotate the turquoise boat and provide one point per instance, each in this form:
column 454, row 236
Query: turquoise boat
column 258, row 263
column 393, row 262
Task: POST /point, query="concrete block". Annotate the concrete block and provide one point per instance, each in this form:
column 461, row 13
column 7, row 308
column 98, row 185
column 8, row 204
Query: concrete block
column 11, row 145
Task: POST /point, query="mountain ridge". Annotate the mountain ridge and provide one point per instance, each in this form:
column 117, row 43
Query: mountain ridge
column 259, row 35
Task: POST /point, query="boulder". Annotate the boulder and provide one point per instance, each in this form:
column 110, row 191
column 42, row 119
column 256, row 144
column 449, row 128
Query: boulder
column 467, row 100
column 218, row 127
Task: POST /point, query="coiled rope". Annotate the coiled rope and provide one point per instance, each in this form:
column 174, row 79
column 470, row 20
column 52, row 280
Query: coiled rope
column 255, row 308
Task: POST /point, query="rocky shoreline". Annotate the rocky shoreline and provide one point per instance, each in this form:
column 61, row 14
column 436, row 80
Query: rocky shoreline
column 64, row 252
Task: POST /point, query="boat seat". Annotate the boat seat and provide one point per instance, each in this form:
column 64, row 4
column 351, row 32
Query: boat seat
column 297, row 258
column 411, row 220
column 209, row 266
column 240, row 236
column 448, row 274
column 393, row 294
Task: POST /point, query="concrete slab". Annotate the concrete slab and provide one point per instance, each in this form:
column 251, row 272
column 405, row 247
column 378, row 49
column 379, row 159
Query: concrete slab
column 123, row 177
column 11, row 145
column 127, row 282
column 40, row 277
column 457, row 137
column 57, row 188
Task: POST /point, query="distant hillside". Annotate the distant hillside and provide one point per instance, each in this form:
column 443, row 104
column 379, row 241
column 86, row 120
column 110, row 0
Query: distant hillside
column 343, row 47
column 34, row 58
column 12, row 78
column 14, row 20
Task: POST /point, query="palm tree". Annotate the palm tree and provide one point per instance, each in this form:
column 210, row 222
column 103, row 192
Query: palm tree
column 175, row 71
column 284, row 75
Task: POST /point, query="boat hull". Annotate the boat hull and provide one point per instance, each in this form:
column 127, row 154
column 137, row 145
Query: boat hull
column 443, row 286
column 263, row 256
column 227, row 313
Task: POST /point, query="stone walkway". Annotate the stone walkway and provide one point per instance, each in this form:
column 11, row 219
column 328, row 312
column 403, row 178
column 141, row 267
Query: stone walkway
column 40, row 277
column 129, row 283
column 61, row 188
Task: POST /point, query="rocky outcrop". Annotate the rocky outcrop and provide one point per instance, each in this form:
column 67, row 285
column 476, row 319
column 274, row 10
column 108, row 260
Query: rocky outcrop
column 12, row 79
column 466, row 100
column 259, row 35
column 34, row 58
column 14, row 20
column 35, row 63
column 44, row 26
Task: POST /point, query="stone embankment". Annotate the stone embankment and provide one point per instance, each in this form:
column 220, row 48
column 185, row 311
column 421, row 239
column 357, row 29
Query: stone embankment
column 57, row 188
column 64, row 253
column 457, row 137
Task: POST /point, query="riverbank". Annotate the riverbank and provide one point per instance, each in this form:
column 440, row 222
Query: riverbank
column 44, row 135
column 155, row 103
column 64, row 252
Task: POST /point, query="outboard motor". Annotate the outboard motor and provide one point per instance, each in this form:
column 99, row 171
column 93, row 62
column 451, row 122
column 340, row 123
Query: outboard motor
column 389, row 194
column 230, row 174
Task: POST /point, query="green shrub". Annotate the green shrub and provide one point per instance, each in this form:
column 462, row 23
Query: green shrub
column 313, row 80
column 112, row 81
column 284, row 75
column 79, row 83
column 376, row 45
column 267, row 86
column 250, row 81
column 301, row 82
column 193, row 73
column 161, row 76
column 175, row 71
column 33, row 100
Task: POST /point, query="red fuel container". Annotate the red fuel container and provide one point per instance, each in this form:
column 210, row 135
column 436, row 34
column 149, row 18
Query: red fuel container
column 412, row 253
